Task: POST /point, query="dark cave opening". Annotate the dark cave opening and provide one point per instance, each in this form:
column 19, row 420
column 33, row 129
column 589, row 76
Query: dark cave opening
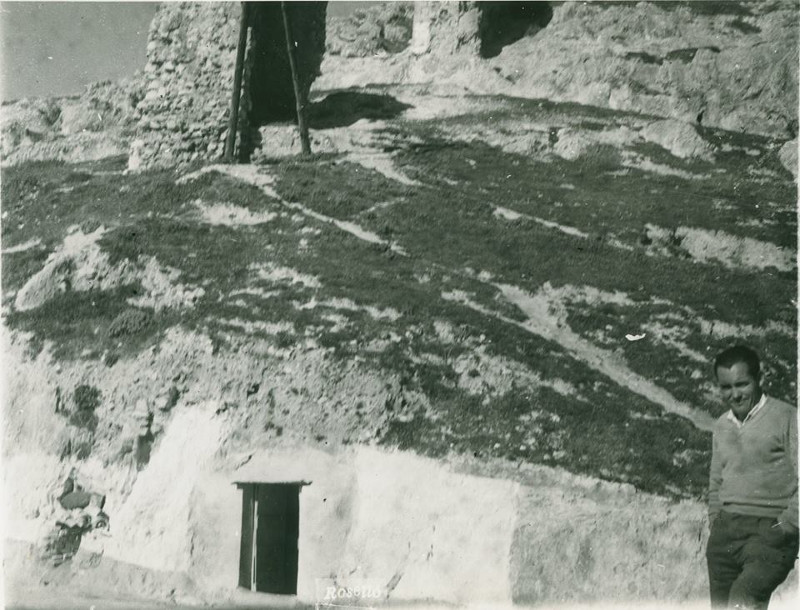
column 503, row 23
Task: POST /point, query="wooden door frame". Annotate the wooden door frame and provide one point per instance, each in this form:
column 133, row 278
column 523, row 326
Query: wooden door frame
column 249, row 533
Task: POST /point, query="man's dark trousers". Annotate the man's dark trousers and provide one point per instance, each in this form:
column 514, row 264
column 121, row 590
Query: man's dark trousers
column 748, row 557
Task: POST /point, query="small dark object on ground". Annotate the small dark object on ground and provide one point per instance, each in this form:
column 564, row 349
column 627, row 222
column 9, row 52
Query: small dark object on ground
column 744, row 27
column 687, row 55
column 644, row 57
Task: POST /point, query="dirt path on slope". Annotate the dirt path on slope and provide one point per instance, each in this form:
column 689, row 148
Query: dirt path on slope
column 543, row 323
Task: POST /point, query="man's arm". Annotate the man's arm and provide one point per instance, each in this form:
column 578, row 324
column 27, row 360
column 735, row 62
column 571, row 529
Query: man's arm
column 714, row 481
column 789, row 516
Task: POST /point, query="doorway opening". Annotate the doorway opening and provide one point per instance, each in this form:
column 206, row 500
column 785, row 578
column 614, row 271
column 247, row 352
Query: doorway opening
column 270, row 530
column 268, row 96
column 503, row 23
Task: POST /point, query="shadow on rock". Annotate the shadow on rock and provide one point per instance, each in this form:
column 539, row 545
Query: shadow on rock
column 344, row 108
column 503, row 23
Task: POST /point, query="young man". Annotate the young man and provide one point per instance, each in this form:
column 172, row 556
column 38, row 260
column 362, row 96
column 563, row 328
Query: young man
column 752, row 499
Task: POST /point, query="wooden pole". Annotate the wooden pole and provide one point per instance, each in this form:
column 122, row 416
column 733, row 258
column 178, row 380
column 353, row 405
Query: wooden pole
column 233, row 116
column 299, row 98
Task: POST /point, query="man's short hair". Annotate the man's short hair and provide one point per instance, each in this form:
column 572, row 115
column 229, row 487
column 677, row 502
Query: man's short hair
column 736, row 354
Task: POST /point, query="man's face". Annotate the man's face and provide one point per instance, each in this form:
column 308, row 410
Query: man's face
column 739, row 389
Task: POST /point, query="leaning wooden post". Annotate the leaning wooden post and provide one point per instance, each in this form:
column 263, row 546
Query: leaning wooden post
column 233, row 117
column 299, row 98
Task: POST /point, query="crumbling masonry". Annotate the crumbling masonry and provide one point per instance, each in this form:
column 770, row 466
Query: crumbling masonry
column 191, row 55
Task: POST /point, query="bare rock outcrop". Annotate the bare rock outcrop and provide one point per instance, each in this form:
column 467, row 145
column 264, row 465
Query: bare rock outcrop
column 731, row 66
column 81, row 265
column 86, row 127
column 721, row 70
column 191, row 55
column 679, row 138
column 380, row 29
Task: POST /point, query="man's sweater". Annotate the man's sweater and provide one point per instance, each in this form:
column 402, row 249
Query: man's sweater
column 754, row 465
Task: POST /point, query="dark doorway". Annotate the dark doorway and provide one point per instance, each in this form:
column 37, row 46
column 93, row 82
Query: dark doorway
column 270, row 528
column 503, row 23
column 268, row 94
column 270, row 79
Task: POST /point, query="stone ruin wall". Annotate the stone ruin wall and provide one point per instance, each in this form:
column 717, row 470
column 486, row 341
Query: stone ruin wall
column 191, row 54
column 748, row 85
column 267, row 89
column 445, row 28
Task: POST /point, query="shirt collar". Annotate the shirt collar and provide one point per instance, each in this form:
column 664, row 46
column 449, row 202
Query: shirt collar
column 756, row 408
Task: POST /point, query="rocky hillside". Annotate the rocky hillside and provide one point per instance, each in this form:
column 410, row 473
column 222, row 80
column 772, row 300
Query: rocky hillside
column 94, row 125
column 530, row 286
column 537, row 283
column 730, row 65
column 379, row 29
column 438, row 272
column 723, row 64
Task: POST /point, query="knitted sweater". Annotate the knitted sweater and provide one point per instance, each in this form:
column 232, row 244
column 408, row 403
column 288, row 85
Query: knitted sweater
column 754, row 465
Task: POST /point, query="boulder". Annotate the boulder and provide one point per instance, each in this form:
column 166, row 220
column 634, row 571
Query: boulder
column 679, row 138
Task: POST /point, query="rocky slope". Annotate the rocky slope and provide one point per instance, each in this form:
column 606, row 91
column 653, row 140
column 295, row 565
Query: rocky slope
column 94, row 125
column 415, row 300
column 730, row 65
column 722, row 64
column 525, row 291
